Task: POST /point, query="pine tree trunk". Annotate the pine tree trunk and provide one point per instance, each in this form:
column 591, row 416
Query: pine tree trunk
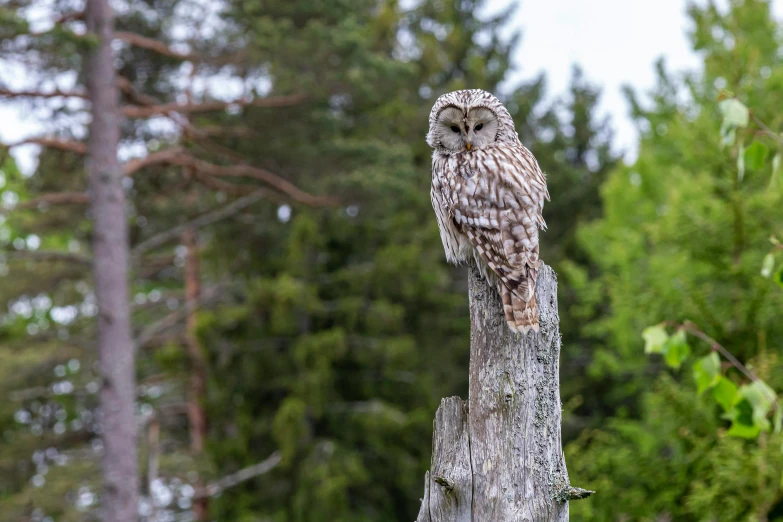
column 110, row 272
column 197, row 416
column 498, row 457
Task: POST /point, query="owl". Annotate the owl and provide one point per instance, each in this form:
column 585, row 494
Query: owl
column 488, row 194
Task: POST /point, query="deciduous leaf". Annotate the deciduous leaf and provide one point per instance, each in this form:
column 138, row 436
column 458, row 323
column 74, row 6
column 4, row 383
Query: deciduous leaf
column 725, row 392
column 744, row 431
column 768, row 265
column 777, row 416
column 706, row 372
column 741, row 416
column 728, row 134
column 676, row 349
column 756, row 155
column 735, row 115
column 761, row 397
column 655, row 338
column 778, row 277
column 734, row 112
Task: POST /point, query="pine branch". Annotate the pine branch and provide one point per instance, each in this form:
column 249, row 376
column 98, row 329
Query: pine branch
column 234, row 189
column 147, row 111
column 209, row 218
column 55, row 198
column 151, row 44
column 58, row 25
column 176, row 156
column 57, row 93
column 68, row 17
column 53, row 143
column 273, row 180
column 126, row 86
column 161, row 157
column 50, row 256
column 165, row 108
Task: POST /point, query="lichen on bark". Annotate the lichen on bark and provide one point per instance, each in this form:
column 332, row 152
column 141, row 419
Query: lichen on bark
column 498, row 456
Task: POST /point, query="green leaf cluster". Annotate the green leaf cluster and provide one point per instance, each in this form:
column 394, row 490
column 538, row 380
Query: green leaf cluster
column 684, row 234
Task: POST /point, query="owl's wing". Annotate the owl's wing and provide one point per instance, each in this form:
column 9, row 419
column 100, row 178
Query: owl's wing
column 497, row 199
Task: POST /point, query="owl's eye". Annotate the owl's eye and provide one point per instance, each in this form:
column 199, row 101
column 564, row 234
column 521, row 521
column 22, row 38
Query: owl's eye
column 479, row 127
column 455, row 128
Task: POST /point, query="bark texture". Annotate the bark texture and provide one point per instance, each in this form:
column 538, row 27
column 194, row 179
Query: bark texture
column 110, row 271
column 498, row 457
column 197, row 417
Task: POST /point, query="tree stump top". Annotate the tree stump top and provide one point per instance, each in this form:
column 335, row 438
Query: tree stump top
column 498, row 456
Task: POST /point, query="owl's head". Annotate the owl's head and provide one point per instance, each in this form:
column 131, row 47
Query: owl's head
column 469, row 120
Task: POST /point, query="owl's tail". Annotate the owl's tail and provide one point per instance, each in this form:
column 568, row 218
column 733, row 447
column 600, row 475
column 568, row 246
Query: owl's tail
column 521, row 315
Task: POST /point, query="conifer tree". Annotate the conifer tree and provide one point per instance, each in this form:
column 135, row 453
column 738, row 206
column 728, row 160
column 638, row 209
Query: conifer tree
column 683, row 238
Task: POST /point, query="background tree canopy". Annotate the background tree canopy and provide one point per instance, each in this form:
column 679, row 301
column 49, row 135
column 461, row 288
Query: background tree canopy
column 291, row 301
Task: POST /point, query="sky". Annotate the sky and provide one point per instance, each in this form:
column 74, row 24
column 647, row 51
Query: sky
column 615, row 41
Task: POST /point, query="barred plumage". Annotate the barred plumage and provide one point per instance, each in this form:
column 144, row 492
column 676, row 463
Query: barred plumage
column 488, row 194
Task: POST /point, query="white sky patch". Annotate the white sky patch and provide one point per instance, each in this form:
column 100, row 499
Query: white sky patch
column 284, row 213
column 615, row 41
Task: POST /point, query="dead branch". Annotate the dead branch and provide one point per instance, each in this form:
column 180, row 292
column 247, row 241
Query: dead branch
column 229, row 481
column 155, row 265
column 55, row 198
column 209, row 106
column 153, row 457
column 194, row 134
column 49, row 256
column 57, row 93
column 269, row 178
column 69, row 17
column 176, row 156
column 151, row 44
column 215, row 130
column 247, row 171
column 165, row 339
column 234, row 189
column 127, row 87
column 53, row 143
column 209, row 218
column 161, row 157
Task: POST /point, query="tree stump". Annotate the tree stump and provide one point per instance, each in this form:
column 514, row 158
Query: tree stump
column 498, row 457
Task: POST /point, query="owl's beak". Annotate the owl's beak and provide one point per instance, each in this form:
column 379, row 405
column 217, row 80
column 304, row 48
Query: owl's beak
column 467, row 145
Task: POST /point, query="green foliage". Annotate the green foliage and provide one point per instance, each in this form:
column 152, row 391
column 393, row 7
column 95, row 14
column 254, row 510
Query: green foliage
column 756, row 397
column 706, row 372
column 684, row 240
column 655, row 338
column 676, row 350
column 735, row 115
column 335, row 331
column 756, row 155
column 674, row 462
column 725, row 393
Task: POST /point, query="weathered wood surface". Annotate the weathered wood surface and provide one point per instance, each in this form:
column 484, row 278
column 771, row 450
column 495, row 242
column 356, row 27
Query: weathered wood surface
column 497, row 457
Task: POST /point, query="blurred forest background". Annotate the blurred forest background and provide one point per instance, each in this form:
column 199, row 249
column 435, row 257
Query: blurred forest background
column 295, row 322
